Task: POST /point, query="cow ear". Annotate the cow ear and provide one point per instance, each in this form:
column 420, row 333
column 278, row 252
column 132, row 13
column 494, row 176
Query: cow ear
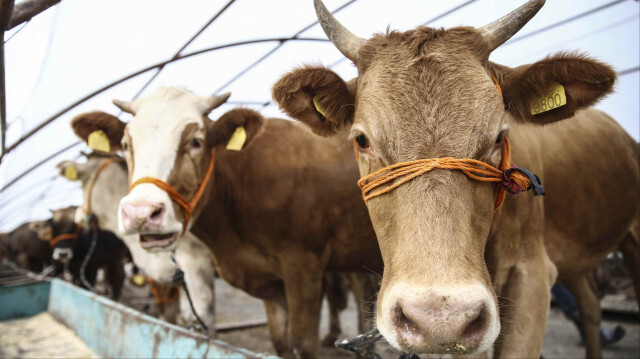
column 87, row 123
column 533, row 92
column 241, row 124
column 318, row 97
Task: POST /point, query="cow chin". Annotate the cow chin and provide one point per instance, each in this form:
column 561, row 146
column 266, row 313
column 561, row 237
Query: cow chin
column 453, row 320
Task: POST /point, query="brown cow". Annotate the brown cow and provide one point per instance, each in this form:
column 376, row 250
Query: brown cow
column 24, row 247
column 268, row 211
column 432, row 93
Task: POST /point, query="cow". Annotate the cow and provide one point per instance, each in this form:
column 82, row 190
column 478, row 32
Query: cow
column 74, row 247
column 260, row 205
column 459, row 276
column 24, row 247
column 191, row 255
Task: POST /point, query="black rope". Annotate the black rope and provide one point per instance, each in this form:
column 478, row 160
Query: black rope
column 178, row 277
column 87, row 257
column 362, row 345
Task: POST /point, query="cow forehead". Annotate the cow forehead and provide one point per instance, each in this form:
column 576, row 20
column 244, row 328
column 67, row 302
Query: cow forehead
column 439, row 97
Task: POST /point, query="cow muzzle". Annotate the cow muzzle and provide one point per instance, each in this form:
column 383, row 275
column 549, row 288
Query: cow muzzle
column 62, row 255
column 456, row 320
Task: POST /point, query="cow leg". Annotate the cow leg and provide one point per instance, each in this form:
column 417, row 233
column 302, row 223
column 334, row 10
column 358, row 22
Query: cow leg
column 336, row 292
column 276, row 309
column 303, row 288
column 524, row 306
column 115, row 276
column 631, row 254
column 590, row 313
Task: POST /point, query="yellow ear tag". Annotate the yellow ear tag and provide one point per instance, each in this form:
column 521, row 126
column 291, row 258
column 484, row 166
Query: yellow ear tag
column 320, row 109
column 237, row 139
column 71, row 173
column 138, row 280
column 552, row 98
column 98, row 141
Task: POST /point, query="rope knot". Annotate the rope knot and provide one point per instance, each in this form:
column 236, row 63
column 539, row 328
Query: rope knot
column 518, row 180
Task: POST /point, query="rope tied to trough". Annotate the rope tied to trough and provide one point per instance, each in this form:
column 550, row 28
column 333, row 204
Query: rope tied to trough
column 362, row 345
column 512, row 179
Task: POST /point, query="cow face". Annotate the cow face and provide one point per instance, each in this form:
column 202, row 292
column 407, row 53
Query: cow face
column 170, row 139
column 431, row 93
column 61, row 231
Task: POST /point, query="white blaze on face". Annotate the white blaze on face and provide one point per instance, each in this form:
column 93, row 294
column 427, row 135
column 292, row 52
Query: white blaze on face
column 155, row 133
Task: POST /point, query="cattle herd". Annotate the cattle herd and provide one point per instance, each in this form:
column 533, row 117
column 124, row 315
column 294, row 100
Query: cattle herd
column 273, row 206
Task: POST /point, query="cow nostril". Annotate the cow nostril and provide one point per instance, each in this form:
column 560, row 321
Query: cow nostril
column 157, row 213
column 402, row 322
column 477, row 324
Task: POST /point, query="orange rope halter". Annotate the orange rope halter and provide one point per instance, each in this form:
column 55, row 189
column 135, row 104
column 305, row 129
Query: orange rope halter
column 171, row 297
column 513, row 179
column 94, row 179
column 61, row 237
column 186, row 205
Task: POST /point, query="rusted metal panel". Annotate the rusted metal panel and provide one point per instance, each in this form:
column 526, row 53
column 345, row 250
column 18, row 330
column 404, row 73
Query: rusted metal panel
column 111, row 329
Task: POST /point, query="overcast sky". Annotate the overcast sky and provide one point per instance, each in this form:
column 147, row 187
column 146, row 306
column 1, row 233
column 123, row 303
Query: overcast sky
column 80, row 46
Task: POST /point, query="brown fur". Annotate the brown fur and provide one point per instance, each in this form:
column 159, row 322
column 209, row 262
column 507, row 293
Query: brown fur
column 268, row 215
column 427, row 93
column 84, row 124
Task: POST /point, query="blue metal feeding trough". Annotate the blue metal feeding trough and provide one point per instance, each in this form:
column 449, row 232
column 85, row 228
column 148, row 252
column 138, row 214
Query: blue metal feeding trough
column 108, row 328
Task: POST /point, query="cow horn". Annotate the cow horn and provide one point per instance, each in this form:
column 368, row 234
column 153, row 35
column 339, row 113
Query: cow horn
column 214, row 101
column 124, row 106
column 501, row 30
column 343, row 39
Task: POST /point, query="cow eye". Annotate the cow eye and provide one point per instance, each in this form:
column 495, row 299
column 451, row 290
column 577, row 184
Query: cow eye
column 362, row 141
column 125, row 146
column 499, row 139
column 195, row 143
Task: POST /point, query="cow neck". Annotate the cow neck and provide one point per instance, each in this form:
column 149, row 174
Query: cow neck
column 94, row 179
column 72, row 236
column 187, row 206
column 512, row 179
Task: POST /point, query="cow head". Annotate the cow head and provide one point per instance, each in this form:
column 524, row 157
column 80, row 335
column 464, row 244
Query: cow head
column 431, row 93
column 170, row 139
column 60, row 231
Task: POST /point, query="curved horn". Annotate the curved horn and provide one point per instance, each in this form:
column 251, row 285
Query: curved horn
column 342, row 38
column 124, row 106
column 214, row 101
column 501, row 30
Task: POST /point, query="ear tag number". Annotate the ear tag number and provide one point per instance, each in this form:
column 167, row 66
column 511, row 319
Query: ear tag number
column 552, row 98
column 71, row 173
column 99, row 141
column 237, row 139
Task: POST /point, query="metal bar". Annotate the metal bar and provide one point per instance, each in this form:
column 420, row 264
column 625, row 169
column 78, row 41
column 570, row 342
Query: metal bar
column 255, row 63
column 177, row 54
column 39, row 164
column 27, row 9
column 629, row 71
column 132, row 75
column 6, row 9
column 565, row 21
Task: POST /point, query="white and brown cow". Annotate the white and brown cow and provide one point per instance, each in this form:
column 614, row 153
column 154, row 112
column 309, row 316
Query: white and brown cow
column 460, row 277
column 267, row 211
column 191, row 255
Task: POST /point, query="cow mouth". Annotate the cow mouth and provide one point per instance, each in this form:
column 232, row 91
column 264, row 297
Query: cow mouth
column 157, row 240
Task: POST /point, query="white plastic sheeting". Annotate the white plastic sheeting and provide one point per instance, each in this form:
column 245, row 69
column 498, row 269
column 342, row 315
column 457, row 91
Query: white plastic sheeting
column 80, row 46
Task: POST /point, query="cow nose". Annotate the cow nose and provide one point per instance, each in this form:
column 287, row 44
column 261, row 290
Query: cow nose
column 441, row 325
column 148, row 216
